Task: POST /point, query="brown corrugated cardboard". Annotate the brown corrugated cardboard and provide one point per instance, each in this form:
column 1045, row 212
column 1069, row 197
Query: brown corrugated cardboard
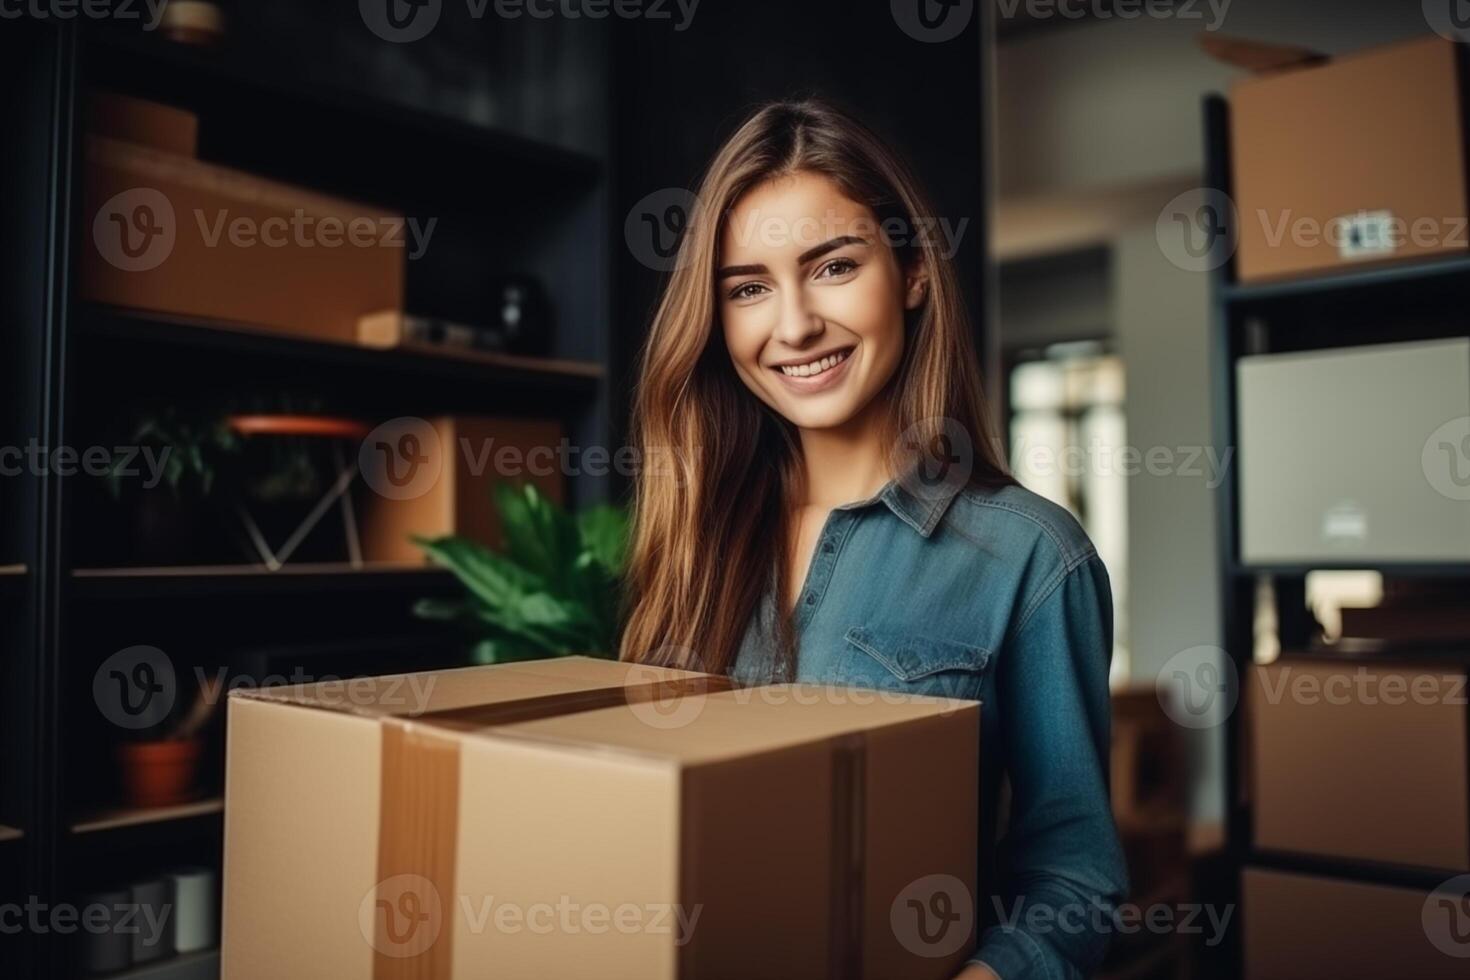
column 758, row 832
column 1329, row 161
column 474, row 453
column 173, row 235
column 1361, row 761
column 1300, row 926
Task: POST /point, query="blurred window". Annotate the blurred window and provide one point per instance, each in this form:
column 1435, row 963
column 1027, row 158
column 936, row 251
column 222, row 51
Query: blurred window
column 1067, row 435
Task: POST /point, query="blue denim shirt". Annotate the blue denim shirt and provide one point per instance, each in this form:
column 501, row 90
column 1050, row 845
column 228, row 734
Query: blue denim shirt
column 994, row 595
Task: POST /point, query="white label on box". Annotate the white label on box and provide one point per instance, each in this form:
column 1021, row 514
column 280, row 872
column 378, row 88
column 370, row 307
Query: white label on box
column 1345, row 523
column 1366, row 235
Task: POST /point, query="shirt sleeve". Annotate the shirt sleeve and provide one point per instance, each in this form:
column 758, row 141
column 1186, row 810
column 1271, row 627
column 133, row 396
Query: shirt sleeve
column 1061, row 867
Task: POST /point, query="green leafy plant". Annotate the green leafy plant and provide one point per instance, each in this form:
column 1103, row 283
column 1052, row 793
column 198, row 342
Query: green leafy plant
column 555, row 590
column 192, row 446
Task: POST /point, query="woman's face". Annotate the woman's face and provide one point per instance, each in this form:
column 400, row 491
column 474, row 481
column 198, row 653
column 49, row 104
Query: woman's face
column 811, row 300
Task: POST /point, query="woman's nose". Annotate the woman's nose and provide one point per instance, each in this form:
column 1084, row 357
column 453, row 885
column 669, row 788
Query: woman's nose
column 799, row 323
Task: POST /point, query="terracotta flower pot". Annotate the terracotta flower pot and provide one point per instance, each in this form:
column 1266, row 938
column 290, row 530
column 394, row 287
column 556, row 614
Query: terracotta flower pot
column 160, row 773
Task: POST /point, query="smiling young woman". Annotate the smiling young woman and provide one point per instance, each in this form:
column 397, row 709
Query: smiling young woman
column 839, row 512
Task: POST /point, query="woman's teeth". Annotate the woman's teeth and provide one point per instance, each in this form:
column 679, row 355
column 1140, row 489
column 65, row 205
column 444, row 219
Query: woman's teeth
column 814, row 367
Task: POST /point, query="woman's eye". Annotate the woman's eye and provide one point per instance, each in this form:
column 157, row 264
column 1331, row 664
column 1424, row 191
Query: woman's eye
column 748, row 290
column 836, row 268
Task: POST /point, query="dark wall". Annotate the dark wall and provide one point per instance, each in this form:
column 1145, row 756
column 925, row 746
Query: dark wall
column 679, row 93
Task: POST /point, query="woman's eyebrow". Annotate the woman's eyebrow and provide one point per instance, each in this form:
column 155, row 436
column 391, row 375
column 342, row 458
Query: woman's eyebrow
column 812, row 253
column 829, row 246
column 741, row 270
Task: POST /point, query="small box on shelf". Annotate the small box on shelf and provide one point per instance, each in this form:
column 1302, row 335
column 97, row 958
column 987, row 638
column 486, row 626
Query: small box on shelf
column 435, row 478
column 1356, row 160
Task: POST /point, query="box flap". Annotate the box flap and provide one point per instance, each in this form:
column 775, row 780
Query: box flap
column 448, row 691
column 708, row 728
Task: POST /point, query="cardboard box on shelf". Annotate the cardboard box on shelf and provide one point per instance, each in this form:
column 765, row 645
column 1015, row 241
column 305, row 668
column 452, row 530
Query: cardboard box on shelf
column 1361, row 761
column 1298, row 925
column 1360, row 159
column 132, row 120
column 172, row 235
column 681, row 830
column 468, row 455
column 1352, row 454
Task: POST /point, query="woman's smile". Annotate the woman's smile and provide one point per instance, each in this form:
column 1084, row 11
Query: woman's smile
column 818, row 373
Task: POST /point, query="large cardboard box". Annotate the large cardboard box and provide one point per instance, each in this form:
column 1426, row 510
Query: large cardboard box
column 682, row 831
column 174, row 235
column 1357, row 160
column 1301, row 927
column 1362, row 761
column 467, row 456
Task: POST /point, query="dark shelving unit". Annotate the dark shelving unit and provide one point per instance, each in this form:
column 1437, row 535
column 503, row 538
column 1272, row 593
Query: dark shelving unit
column 1378, row 303
column 507, row 201
column 203, row 338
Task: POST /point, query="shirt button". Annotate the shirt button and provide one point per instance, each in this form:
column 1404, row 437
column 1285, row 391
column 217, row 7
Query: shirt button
column 827, row 548
column 811, row 598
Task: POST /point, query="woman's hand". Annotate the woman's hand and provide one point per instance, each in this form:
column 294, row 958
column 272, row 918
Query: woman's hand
column 977, row 971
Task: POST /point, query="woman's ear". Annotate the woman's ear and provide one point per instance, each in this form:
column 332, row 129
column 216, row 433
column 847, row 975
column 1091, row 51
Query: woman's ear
column 916, row 287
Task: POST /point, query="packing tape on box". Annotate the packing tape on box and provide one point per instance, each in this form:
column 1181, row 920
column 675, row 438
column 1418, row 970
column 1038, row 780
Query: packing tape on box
column 418, row 825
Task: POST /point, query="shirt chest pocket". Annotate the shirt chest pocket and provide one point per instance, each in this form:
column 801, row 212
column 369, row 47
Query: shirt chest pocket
column 901, row 660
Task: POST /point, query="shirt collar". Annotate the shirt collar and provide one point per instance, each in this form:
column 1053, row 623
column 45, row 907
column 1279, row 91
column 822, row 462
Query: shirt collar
column 919, row 505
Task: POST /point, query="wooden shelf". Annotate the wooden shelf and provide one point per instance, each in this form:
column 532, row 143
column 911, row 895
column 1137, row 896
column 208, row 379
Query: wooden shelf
column 10, row 833
column 141, row 326
column 174, row 968
column 327, row 577
column 244, row 78
column 1395, row 276
column 118, row 818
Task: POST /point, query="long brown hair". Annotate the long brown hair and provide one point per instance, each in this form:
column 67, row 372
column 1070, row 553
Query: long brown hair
column 710, row 527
